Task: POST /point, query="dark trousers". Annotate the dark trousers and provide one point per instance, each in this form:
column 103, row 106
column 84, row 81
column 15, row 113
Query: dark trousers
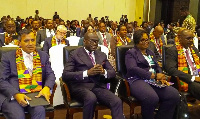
column 12, row 110
column 150, row 96
column 103, row 96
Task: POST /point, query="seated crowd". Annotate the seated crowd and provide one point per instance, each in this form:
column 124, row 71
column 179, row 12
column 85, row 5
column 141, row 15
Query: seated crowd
column 88, row 70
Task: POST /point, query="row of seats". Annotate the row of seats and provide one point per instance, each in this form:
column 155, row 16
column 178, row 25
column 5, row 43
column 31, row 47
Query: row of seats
column 119, row 85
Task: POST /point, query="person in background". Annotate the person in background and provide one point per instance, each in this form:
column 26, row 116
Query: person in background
column 189, row 21
column 141, row 66
column 45, row 33
column 10, row 37
column 37, row 15
column 58, row 39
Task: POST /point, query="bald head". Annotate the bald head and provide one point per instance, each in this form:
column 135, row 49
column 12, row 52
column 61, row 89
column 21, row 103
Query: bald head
column 158, row 31
column 186, row 38
column 89, row 35
column 91, row 41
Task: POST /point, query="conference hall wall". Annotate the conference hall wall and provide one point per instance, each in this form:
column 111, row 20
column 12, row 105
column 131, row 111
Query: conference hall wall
column 74, row 9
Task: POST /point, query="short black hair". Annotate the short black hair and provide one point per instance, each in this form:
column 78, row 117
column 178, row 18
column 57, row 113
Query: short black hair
column 138, row 35
column 24, row 32
column 119, row 27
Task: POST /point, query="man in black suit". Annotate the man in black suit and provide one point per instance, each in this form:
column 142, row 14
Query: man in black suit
column 176, row 68
column 44, row 33
column 87, row 71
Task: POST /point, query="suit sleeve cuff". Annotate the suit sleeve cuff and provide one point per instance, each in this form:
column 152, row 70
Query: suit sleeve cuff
column 85, row 74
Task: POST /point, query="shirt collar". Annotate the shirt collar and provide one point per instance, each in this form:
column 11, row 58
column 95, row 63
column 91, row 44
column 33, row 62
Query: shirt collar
column 24, row 53
column 88, row 52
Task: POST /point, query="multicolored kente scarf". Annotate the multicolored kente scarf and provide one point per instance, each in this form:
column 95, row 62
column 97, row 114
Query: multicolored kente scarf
column 120, row 42
column 28, row 83
column 182, row 63
column 53, row 41
column 7, row 37
column 158, row 46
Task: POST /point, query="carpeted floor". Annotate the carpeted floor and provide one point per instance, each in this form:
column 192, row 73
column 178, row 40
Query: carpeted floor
column 60, row 112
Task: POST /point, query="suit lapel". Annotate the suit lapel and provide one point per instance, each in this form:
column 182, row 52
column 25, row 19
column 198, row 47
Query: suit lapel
column 97, row 58
column 141, row 58
column 84, row 57
column 100, row 38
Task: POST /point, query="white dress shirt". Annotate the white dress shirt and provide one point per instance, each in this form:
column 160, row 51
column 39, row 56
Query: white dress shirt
column 85, row 72
column 49, row 34
column 28, row 60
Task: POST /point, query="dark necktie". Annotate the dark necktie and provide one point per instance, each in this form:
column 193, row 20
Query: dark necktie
column 92, row 59
column 189, row 60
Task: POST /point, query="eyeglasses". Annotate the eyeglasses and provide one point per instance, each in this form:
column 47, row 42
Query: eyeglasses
column 189, row 38
column 144, row 40
column 63, row 33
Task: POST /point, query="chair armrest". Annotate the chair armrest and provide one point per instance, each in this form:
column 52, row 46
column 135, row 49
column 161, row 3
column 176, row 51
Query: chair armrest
column 65, row 91
column 52, row 95
column 179, row 83
column 124, row 88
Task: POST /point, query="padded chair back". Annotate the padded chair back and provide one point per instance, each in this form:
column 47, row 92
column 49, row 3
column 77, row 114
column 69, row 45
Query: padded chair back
column 7, row 49
column 66, row 52
column 120, row 59
column 164, row 50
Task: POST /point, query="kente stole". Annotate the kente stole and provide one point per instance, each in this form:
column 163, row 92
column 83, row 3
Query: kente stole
column 120, row 42
column 29, row 83
column 53, row 41
column 182, row 63
column 152, row 39
column 16, row 41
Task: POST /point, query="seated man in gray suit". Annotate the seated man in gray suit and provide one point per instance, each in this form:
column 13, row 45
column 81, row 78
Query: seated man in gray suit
column 59, row 38
column 45, row 33
column 87, row 71
column 24, row 70
column 104, row 37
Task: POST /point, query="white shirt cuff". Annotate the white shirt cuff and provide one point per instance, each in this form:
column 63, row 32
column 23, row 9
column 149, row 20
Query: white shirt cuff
column 105, row 74
column 193, row 78
column 85, row 74
column 12, row 98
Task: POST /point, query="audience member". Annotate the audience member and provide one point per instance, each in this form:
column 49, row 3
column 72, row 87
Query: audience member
column 37, row 15
column 87, row 71
column 122, row 38
column 24, row 67
column 183, row 61
column 89, row 29
column 130, row 31
column 189, row 22
column 58, row 39
column 155, row 37
column 45, row 33
column 113, row 29
column 142, row 66
column 10, row 36
column 55, row 16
